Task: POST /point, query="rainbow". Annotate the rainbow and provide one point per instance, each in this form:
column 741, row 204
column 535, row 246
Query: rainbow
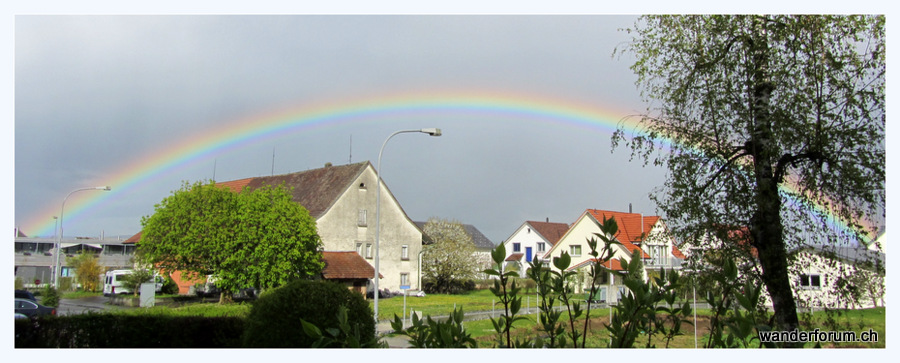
column 259, row 128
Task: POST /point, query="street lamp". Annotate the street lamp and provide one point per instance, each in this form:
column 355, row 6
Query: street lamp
column 432, row 132
column 59, row 236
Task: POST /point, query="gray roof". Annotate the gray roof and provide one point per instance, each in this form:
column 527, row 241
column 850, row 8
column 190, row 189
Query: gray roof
column 316, row 189
column 850, row 254
column 480, row 241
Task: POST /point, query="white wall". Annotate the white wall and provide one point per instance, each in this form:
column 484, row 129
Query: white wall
column 340, row 231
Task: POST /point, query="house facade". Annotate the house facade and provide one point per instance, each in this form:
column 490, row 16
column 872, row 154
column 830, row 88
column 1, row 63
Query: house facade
column 342, row 200
column 833, row 276
column 639, row 235
column 837, row 277
column 530, row 241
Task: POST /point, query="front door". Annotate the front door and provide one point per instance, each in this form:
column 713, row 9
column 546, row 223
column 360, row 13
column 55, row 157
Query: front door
column 527, row 254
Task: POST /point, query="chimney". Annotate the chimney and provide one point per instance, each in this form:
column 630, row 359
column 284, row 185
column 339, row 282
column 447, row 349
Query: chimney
column 629, row 208
column 548, row 219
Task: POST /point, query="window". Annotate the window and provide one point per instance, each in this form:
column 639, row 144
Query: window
column 657, row 255
column 575, row 250
column 811, row 282
column 404, row 279
column 359, row 248
column 368, row 250
column 404, row 252
column 541, row 247
column 362, row 218
column 517, row 247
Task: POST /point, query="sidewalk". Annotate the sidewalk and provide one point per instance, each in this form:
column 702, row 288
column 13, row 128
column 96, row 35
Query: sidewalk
column 384, row 328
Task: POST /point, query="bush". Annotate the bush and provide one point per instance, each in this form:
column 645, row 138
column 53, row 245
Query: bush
column 50, row 297
column 65, row 284
column 169, row 286
column 450, row 287
column 274, row 320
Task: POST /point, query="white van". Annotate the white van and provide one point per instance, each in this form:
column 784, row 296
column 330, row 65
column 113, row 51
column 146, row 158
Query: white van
column 115, row 283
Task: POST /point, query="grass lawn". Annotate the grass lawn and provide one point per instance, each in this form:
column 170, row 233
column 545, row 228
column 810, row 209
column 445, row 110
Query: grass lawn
column 436, row 304
column 241, row 310
column 482, row 330
column 841, row 320
column 79, row 294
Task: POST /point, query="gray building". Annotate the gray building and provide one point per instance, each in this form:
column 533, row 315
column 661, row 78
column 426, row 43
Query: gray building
column 36, row 257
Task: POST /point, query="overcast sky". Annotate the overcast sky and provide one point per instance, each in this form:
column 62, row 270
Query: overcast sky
column 95, row 95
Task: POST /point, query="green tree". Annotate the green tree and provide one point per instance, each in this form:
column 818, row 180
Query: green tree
column 775, row 123
column 87, row 270
column 448, row 260
column 134, row 280
column 253, row 238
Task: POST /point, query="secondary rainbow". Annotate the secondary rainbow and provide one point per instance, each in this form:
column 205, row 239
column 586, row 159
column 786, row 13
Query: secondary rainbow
column 259, row 128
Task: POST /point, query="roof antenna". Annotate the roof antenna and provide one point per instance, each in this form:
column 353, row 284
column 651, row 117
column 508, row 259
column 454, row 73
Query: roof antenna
column 273, row 160
column 214, row 170
column 350, row 161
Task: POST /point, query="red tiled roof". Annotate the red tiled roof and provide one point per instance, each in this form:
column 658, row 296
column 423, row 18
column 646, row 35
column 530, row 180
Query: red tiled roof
column 630, row 227
column 346, row 265
column 677, row 253
column 742, row 237
column 612, row 264
column 551, row 231
column 235, row 185
column 133, row 239
column 515, row 257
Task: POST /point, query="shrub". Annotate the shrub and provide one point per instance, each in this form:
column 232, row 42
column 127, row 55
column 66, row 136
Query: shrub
column 275, row 319
column 65, row 284
column 449, row 287
column 169, row 286
column 50, row 297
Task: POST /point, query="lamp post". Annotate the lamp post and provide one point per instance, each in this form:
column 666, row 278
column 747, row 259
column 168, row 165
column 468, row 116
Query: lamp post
column 694, row 289
column 432, row 132
column 59, row 235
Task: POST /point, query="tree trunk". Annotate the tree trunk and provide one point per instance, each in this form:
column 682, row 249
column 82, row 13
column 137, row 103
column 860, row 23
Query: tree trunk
column 766, row 226
column 225, row 297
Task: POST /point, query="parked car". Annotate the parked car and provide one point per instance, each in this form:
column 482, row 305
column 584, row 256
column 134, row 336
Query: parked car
column 25, row 294
column 32, row 309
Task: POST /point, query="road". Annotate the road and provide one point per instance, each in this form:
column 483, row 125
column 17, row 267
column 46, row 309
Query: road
column 82, row 305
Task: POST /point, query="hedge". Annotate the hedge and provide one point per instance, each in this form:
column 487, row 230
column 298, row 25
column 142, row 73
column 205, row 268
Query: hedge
column 98, row 330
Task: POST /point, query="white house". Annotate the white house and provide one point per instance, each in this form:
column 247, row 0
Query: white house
column 834, row 276
column 822, row 276
column 531, row 240
column 645, row 235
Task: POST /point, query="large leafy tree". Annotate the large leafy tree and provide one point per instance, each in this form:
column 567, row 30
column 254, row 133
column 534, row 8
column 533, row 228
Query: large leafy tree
column 252, row 238
column 771, row 124
column 448, row 260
